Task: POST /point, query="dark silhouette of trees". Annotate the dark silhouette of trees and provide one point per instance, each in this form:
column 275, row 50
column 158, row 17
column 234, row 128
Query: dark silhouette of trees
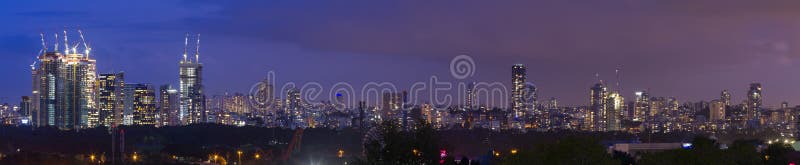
column 393, row 145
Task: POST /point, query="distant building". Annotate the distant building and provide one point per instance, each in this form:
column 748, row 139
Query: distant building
column 753, row 102
column 110, row 98
column 716, row 111
column 193, row 101
column 25, row 109
column 392, row 102
column 518, row 78
column 597, row 103
column 169, row 106
column 469, row 98
column 64, row 85
column 725, row 97
column 144, row 104
column 293, row 108
column 641, row 106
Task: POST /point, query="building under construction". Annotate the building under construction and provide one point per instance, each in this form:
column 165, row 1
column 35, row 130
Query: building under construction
column 64, row 86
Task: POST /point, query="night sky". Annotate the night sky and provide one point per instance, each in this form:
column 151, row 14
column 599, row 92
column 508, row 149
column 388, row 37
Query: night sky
column 690, row 49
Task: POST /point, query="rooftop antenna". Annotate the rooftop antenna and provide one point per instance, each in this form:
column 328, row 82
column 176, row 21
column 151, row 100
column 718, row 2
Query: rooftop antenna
column 197, row 50
column 617, row 70
column 56, row 42
column 44, row 44
column 85, row 46
column 66, row 42
column 185, row 44
column 597, row 77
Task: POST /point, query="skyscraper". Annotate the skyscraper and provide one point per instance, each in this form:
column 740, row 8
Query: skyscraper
column 191, row 87
column 641, row 106
column 615, row 104
column 81, row 77
column 48, row 78
column 469, row 98
column 518, row 78
column 597, row 103
column 716, row 111
column 110, row 98
column 169, row 106
column 392, row 102
column 63, row 85
column 753, row 101
column 25, row 109
column 725, row 97
column 294, row 108
column 144, row 104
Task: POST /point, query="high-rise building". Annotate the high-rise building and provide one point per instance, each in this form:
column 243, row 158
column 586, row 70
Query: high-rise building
column 615, row 105
column 518, row 78
column 191, row 88
column 469, row 98
column 641, row 106
column 716, row 111
column 81, row 77
column 754, row 100
column 169, row 106
column 127, row 103
column 725, row 97
column 597, row 104
column 294, row 107
column 144, row 104
column 392, row 102
column 64, row 87
column 25, row 109
column 263, row 98
column 49, row 79
column 236, row 103
column 110, row 97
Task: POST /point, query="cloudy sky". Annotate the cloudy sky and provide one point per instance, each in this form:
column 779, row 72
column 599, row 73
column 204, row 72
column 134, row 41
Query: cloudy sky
column 690, row 49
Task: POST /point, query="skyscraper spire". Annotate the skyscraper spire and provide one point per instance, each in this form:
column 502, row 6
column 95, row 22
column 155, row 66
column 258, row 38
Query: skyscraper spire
column 56, row 43
column 185, row 45
column 197, row 50
column 66, row 42
column 619, row 84
column 44, row 44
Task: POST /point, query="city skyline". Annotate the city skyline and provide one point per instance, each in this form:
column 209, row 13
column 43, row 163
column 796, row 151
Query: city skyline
column 563, row 72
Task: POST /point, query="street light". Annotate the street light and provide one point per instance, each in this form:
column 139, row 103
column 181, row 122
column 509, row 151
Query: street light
column 258, row 156
column 240, row 156
column 340, row 153
column 513, row 151
column 135, row 156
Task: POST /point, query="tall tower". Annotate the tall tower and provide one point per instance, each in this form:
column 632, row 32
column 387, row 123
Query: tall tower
column 48, row 87
column 109, row 98
column 597, row 102
column 725, row 97
column 615, row 103
column 518, row 78
column 641, row 106
column 716, row 111
column 294, row 107
column 469, row 99
column 81, row 77
column 192, row 96
column 754, row 99
column 169, row 106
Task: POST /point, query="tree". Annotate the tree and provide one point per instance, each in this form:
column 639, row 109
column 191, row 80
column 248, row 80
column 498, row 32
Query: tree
column 389, row 144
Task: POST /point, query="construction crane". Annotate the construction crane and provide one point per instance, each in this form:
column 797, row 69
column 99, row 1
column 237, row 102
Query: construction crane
column 85, row 46
column 295, row 143
column 287, row 153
